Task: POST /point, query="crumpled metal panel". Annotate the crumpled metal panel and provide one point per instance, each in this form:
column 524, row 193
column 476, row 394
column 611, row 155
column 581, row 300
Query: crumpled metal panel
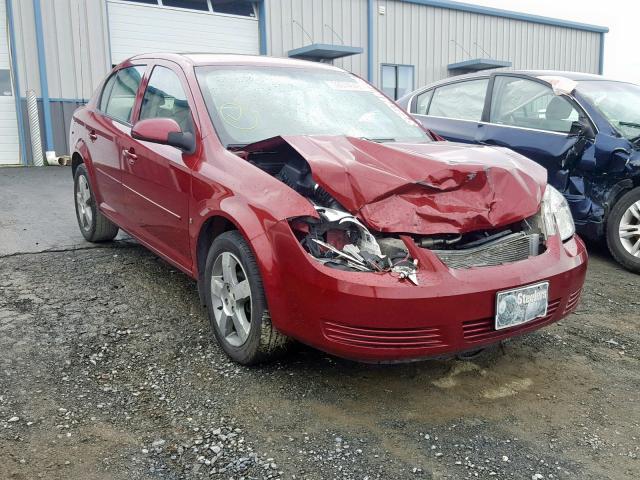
column 428, row 188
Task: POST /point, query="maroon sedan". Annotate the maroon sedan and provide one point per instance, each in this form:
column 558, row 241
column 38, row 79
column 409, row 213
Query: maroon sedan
column 308, row 206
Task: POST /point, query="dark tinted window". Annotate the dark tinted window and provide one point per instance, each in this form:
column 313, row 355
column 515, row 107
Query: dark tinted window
column 233, row 7
column 165, row 98
column 461, row 100
column 122, row 96
column 149, row 2
column 191, row 4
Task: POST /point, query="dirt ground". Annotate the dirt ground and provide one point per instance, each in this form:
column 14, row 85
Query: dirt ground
column 107, row 371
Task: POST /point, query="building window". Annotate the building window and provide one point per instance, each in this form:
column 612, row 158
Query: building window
column 397, row 80
column 202, row 5
column 233, row 7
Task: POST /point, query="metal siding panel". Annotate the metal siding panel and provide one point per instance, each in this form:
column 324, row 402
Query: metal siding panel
column 177, row 30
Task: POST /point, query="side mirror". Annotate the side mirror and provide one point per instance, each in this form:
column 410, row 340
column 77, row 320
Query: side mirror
column 165, row 131
column 581, row 128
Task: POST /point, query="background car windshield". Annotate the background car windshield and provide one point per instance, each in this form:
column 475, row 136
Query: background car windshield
column 252, row 104
column 618, row 102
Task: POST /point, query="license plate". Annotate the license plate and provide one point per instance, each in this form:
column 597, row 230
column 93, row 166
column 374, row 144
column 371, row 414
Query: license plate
column 521, row 305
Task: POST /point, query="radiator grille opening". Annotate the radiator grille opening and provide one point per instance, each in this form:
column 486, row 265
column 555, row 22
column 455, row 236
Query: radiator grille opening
column 512, row 248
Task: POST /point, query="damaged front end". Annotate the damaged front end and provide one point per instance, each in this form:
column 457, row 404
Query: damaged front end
column 380, row 207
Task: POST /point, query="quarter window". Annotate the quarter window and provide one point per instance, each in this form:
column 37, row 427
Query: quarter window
column 422, row 102
column 397, row 80
column 461, row 100
column 165, row 98
column 119, row 94
column 520, row 102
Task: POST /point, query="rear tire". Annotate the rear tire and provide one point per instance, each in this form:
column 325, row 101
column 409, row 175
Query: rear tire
column 95, row 227
column 623, row 231
column 236, row 303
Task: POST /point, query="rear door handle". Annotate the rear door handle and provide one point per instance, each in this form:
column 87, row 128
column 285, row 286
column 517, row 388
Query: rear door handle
column 130, row 156
column 93, row 136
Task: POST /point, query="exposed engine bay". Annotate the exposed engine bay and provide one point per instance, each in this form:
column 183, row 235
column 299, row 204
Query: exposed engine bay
column 340, row 239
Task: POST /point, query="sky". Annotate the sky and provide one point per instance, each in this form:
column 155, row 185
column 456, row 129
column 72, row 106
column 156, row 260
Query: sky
column 621, row 59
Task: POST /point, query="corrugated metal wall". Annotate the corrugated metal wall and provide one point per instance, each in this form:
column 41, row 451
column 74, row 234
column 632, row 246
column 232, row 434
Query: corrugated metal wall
column 76, row 39
column 347, row 17
column 76, row 45
column 76, row 53
column 422, row 36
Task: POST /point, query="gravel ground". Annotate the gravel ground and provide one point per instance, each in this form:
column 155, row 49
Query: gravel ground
column 107, row 371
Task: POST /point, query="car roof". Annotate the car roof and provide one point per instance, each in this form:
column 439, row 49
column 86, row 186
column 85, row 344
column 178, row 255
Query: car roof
column 576, row 76
column 204, row 58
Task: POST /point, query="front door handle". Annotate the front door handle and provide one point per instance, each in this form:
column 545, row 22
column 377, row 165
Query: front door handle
column 130, row 156
column 93, row 136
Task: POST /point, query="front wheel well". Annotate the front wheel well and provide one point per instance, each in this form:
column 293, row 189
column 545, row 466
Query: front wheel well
column 209, row 231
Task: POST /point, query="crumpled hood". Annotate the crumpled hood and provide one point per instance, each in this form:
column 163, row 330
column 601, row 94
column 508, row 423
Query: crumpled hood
column 424, row 188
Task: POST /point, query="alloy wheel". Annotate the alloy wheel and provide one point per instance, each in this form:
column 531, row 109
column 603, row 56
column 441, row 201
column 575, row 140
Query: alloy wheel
column 231, row 299
column 630, row 229
column 83, row 202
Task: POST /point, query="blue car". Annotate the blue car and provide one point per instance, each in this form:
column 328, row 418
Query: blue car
column 584, row 129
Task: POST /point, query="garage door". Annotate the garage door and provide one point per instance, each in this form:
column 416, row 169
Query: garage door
column 141, row 27
column 9, row 143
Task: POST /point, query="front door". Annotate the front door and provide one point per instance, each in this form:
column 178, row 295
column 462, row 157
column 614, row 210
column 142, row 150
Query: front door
column 156, row 177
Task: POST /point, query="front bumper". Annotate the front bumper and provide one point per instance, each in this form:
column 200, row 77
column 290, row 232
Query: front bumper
column 377, row 317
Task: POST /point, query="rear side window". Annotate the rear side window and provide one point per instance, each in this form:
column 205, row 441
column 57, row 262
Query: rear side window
column 119, row 94
column 422, row 102
column 165, row 98
column 461, row 100
column 520, row 102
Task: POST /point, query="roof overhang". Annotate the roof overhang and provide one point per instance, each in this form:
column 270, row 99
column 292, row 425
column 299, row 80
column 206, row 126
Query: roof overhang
column 477, row 64
column 323, row 51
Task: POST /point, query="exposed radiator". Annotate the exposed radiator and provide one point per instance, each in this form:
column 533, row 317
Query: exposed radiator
column 511, row 248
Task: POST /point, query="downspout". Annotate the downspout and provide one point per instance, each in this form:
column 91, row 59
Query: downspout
column 601, row 59
column 262, row 26
column 44, row 84
column 370, row 17
column 16, row 82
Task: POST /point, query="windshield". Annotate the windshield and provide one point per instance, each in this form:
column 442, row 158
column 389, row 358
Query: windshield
column 248, row 104
column 618, row 102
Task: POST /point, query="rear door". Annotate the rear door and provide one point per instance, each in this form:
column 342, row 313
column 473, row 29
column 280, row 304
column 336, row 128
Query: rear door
column 109, row 123
column 525, row 115
column 454, row 110
column 157, row 178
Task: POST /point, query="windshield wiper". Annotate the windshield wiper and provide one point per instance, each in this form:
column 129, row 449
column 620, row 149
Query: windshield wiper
column 629, row 124
column 379, row 140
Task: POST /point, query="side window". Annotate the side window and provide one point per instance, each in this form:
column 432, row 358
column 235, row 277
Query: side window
column 422, row 102
column 461, row 100
column 106, row 91
column 520, row 102
column 165, row 98
column 122, row 96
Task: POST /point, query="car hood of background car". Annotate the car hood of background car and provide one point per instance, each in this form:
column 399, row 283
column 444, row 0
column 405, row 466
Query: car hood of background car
column 421, row 188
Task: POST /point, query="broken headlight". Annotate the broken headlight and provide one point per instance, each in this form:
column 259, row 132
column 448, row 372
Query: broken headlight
column 339, row 240
column 557, row 215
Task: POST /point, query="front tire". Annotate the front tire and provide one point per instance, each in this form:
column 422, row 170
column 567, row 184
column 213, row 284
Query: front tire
column 623, row 231
column 95, row 227
column 236, row 302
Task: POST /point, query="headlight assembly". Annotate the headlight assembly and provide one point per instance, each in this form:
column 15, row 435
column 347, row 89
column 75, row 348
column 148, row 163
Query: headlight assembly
column 557, row 215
